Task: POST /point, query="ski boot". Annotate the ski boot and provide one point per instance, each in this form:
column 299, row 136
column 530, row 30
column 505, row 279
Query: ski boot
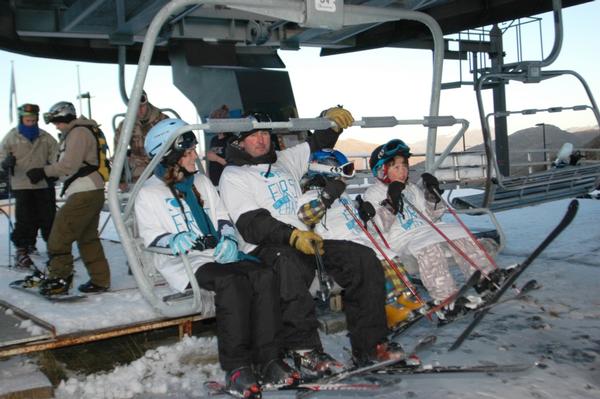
column 241, row 382
column 90, row 287
column 495, row 279
column 277, row 372
column 383, row 351
column 34, row 280
column 461, row 306
column 22, row 259
column 32, row 250
column 316, row 363
column 56, row 286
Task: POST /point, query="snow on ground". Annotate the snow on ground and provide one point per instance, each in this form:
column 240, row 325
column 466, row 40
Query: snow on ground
column 96, row 311
column 558, row 326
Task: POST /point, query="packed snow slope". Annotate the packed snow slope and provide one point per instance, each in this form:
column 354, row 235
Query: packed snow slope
column 557, row 326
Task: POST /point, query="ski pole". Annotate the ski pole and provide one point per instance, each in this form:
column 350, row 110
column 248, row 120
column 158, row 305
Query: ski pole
column 380, row 234
column 11, row 172
column 459, row 220
column 394, row 267
column 324, row 281
column 449, row 241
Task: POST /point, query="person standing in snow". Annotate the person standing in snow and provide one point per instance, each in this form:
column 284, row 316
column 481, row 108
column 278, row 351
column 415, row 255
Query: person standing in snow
column 329, row 211
column 260, row 188
column 77, row 220
column 24, row 147
column 178, row 208
column 396, row 202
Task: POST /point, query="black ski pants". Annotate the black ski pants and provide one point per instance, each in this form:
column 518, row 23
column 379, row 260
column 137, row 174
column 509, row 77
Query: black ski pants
column 35, row 209
column 247, row 311
column 355, row 268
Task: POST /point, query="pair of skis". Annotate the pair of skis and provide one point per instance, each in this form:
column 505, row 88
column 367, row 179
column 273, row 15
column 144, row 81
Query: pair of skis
column 496, row 297
column 517, row 271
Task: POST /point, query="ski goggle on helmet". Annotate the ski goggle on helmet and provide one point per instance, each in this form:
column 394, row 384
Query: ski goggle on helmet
column 388, row 151
column 160, row 134
column 28, row 110
column 330, row 162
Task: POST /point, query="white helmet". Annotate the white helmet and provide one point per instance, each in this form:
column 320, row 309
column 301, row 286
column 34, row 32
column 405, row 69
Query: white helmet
column 62, row 111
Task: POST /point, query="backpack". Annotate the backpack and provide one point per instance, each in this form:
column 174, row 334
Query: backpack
column 103, row 167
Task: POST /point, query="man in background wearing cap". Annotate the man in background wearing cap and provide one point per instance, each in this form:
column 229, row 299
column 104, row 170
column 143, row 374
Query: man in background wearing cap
column 137, row 159
column 24, row 147
column 216, row 150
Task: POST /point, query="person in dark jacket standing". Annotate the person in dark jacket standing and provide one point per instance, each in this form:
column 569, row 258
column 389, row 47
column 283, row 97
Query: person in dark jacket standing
column 24, row 147
column 260, row 188
column 215, row 154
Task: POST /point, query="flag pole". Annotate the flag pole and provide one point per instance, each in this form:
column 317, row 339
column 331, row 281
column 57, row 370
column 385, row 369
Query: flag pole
column 13, row 92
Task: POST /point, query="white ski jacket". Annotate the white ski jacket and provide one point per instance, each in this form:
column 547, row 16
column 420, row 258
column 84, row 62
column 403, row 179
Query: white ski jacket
column 158, row 213
column 407, row 233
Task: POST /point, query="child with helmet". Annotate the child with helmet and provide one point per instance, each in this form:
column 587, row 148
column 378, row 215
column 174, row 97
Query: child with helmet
column 24, row 147
column 327, row 209
column 399, row 205
column 179, row 208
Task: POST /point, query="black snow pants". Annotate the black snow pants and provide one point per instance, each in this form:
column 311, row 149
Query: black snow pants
column 35, row 209
column 355, row 268
column 247, row 311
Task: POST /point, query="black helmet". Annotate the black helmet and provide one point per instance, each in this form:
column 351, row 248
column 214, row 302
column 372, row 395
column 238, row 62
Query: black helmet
column 255, row 117
column 62, row 111
column 387, row 151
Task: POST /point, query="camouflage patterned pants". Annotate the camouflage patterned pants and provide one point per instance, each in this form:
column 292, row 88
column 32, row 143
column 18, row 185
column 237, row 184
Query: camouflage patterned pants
column 434, row 266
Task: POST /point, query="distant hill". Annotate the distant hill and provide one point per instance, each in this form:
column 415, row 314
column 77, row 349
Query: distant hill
column 526, row 139
column 532, row 139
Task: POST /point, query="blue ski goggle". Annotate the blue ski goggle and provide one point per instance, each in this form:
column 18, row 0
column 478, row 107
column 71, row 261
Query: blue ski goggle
column 393, row 148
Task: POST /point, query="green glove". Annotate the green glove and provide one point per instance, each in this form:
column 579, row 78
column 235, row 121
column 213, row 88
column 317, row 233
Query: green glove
column 342, row 118
column 304, row 241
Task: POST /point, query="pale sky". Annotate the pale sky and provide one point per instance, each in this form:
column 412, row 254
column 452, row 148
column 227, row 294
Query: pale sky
column 380, row 82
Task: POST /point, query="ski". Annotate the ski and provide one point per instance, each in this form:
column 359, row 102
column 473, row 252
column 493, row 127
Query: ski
column 19, row 285
column 215, row 388
column 480, row 314
column 437, row 369
column 473, row 279
column 410, row 360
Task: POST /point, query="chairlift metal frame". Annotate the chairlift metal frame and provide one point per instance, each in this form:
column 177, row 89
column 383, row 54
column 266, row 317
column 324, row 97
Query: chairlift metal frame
column 295, row 11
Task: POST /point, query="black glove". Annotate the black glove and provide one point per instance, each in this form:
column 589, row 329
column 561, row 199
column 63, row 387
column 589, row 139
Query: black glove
column 333, row 190
column 315, row 181
column 431, row 183
column 36, row 175
column 366, row 211
column 9, row 162
column 394, row 196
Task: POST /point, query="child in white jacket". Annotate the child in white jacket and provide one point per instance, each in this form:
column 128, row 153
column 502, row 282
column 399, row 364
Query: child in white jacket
column 399, row 209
